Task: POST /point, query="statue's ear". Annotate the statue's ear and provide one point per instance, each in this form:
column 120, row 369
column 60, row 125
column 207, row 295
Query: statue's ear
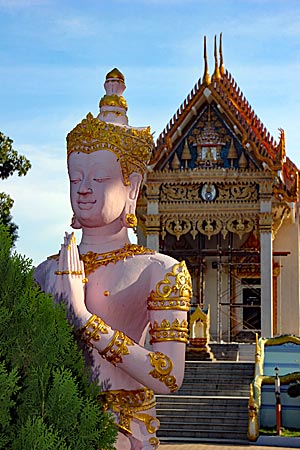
column 135, row 183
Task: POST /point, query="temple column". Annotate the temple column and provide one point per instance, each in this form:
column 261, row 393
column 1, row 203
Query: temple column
column 152, row 217
column 266, row 261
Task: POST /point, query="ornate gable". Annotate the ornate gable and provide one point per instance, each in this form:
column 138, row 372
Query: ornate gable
column 216, row 128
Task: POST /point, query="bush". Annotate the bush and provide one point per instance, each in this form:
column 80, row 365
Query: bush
column 46, row 400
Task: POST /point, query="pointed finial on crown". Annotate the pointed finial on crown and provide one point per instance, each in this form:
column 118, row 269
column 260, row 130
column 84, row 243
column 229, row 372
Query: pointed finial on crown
column 216, row 75
column 113, row 106
column 206, row 76
column 222, row 67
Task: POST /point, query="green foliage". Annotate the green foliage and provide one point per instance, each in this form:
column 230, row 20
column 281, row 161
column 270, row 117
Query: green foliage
column 10, row 162
column 46, row 401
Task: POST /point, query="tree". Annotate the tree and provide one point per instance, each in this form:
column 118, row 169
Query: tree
column 10, row 162
column 46, row 400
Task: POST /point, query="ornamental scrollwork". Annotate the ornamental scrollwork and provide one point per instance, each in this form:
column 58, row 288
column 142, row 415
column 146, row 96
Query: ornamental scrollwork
column 240, row 192
column 178, row 227
column 222, row 192
column 208, row 226
column 240, row 226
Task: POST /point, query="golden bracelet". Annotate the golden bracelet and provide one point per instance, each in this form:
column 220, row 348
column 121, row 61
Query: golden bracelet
column 116, row 348
column 163, row 366
column 92, row 330
column 169, row 332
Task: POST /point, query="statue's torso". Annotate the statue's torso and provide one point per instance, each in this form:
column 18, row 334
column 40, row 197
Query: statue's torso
column 117, row 293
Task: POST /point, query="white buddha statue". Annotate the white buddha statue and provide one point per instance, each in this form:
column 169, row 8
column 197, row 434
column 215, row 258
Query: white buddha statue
column 116, row 291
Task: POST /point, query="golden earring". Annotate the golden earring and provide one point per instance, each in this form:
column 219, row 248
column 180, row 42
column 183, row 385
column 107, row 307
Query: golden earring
column 131, row 220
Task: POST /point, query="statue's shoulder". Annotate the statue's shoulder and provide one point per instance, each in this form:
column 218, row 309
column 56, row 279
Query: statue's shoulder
column 44, row 273
column 164, row 267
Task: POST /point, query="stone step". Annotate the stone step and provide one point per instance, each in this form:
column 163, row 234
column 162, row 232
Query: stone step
column 216, row 425
column 212, row 403
column 196, row 419
column 202, row 434
column 203, row 403
column 214, row 391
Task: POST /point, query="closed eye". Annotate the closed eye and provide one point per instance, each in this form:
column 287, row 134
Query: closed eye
column 75, row 181
column 100, row 180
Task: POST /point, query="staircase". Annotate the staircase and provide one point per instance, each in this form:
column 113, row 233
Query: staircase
column 211, row 405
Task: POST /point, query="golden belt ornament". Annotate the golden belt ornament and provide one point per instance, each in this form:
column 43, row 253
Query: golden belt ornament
column 129, row 405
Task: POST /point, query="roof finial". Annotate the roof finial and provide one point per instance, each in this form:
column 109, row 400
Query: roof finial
column 216, row 76
column 206, row 76
column 222, row 68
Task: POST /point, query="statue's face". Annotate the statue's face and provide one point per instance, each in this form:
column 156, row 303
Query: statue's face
column 98, row 193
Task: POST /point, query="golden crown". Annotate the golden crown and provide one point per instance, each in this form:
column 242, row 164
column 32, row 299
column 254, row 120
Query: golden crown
column 109, row 131
column 132, row 146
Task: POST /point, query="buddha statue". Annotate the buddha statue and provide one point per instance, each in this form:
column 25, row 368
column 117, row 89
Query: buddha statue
column 117, row 292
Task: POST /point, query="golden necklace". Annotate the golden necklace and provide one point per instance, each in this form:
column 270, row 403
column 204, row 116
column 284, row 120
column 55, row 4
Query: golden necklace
column 93, row 260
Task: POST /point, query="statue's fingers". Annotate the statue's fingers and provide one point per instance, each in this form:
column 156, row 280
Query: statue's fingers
column 81, row 268
column 60, row 259
column 73, row 256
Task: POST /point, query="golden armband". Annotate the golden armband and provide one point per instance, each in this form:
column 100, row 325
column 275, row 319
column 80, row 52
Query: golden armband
column 163, row 366
column 116, row 348
column 174, row 291
column 92, row 330
column 166, row 331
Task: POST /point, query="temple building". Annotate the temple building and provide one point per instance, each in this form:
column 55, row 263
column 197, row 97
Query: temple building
column 221, row 194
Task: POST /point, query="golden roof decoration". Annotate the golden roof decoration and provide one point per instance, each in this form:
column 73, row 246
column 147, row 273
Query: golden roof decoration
column 175, row 164
column 186, row 154
column 206, row 76
column 222, row 67
column 223, row 92
column 243, row 162
column 217, row 74
column 232, row 153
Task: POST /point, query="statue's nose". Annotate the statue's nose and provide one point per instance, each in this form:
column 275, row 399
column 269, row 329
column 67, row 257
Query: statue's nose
column 84, row 189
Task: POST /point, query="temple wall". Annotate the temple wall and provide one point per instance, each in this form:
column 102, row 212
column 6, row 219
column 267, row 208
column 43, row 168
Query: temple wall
column 287, row 240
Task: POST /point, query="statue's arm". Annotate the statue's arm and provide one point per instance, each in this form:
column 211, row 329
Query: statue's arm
column 161, row 368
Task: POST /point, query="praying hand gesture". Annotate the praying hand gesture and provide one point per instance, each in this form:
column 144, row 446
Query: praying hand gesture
column 70, row 282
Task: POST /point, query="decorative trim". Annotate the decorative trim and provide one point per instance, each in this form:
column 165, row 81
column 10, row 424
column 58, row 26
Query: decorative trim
column 163, row 366
column 221, row 192
column 154, row 441
column 174, row 291
column 208, row 224
column 93, row 260
column 129, row 405
column 117, row 348
column 132, row 146
column 169, row 332
column 92, row 330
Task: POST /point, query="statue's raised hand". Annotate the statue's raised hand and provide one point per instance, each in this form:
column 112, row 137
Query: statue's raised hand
column 70, row 281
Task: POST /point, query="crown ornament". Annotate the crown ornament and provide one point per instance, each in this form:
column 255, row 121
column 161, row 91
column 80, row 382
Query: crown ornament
column 110, row 131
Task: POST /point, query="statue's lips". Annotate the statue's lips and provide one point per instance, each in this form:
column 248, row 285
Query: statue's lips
column 85, row 204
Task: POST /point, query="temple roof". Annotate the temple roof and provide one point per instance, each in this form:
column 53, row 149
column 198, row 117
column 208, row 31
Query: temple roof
column 221, row 93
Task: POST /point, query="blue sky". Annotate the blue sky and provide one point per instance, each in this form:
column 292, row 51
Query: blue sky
column 55, row 55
